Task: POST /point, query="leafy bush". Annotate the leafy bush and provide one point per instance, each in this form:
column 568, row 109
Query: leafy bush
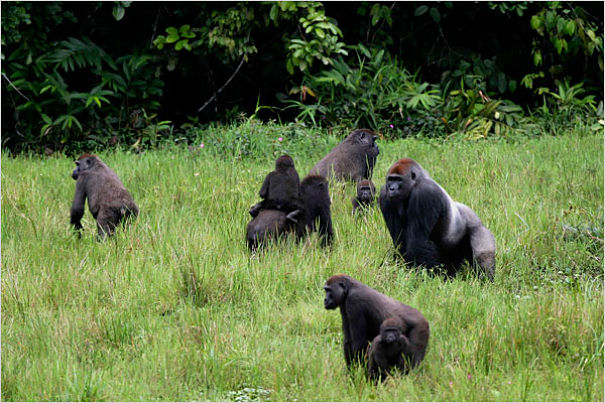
column 377, row 91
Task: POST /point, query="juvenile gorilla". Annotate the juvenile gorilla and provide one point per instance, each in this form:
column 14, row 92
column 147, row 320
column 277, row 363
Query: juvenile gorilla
column 364, row 309
column 352, row 159
column 281, row 189
column 365, row 195
column 271, row 224
column 390, row 349
column 108, row 200
column 428, row 227
column 316, row 200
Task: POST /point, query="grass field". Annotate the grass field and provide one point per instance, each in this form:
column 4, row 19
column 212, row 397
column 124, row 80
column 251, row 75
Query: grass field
column 175, row 308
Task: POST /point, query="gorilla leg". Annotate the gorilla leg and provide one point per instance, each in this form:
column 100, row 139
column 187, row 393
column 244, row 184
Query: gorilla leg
column 106, row 222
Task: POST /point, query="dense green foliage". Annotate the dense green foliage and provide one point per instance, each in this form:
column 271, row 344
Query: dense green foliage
column 175, row 308
column 79, row 75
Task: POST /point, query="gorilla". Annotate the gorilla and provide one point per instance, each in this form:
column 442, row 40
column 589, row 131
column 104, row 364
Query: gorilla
column 352, row 159
column 364, row 309
column 365, row 195
column 108, row 200
column 271, row 224
column 280, row 189
column 428, row 227
column 316, row 201
column 390, row 349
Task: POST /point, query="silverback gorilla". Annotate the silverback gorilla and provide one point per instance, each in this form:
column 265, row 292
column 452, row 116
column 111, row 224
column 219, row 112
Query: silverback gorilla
column 108, row 200
column 364, row 309
column 428, row 227
column 352, row 159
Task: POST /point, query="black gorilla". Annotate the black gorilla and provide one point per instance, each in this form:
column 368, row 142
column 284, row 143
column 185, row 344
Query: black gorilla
column 315, row 206
column 108, row 200
column 365, row 195
column 364, row 309
column 280, row 189
column 271, row 224
column 428, row 227
column 390, row 349
column 316, row 201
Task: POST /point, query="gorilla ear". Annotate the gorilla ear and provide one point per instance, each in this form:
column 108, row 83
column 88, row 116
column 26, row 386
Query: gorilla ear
column 363, row 135
column 413, row 175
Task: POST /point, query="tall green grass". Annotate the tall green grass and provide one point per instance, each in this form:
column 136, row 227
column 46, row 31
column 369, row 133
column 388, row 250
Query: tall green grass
column 175, row 308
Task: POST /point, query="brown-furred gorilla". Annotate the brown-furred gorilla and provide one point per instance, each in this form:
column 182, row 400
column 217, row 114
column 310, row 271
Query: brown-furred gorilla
column 364, row 309
column 390, row 349
column 365, row 195
column 108, row 200
column 352, row 159
column 428, row 227
column 316, row 201
column 271, row 224
column 280, row 189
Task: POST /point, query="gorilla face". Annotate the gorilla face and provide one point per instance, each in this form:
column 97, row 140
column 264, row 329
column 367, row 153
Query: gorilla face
column 82, row 165
column 399, row 186
column 365, row 193
column 335, row 294
column 390, row 335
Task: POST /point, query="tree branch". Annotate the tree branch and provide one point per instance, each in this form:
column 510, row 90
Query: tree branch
column 212, row 98
column 13, row 85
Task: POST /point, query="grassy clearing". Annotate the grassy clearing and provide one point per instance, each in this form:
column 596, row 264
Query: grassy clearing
column 174, row 308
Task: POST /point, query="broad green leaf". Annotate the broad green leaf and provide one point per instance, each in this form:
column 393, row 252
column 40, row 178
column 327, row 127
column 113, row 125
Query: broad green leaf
column 435, row 14
column 561, row 25
column 570, row 27
column 273, row 13
column 118, row 12
column 590, row 34
column 420, row 10
column 172, row 38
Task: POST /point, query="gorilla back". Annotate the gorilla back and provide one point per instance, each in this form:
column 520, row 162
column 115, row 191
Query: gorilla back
column 353, row 159
column 270, row 224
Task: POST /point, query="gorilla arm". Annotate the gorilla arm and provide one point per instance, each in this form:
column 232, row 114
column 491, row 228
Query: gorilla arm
column 357, row 339
column 426, row 208
column 77, row 207
column 264, row 189
column 393, row 216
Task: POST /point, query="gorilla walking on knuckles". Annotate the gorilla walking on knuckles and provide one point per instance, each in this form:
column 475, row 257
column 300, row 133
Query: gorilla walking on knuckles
column 352, row 159
column 390, row 349
column 428, row 227
column 363, row 310
column 108, row 200
column 281, row 190
column 365, row 195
